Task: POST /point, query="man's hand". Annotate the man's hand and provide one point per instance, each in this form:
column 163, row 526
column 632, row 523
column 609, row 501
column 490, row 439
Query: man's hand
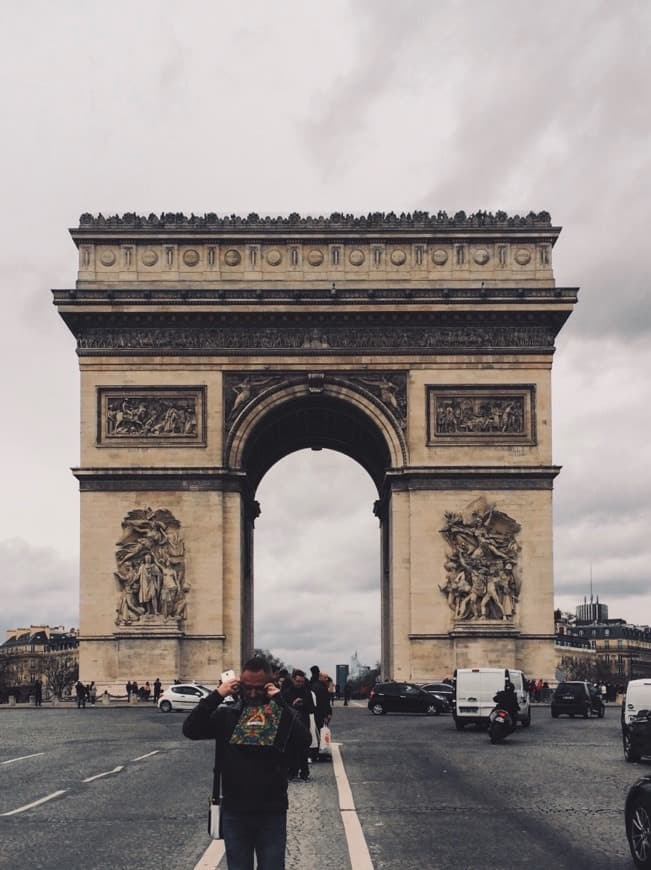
column 229, row 687
column 272, row 689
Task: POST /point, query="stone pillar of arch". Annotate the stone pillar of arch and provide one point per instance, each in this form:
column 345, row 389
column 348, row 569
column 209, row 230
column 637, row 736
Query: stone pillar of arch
column 210, row 348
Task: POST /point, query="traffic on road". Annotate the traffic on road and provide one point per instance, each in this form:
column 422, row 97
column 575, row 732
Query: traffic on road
column 115, row 788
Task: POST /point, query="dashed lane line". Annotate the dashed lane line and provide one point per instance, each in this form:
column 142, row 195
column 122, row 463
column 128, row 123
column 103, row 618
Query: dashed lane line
column 105, row 773
column 22, row 758
column 49, row 797
column 148, row 755
column 360, row 858
column 63, row 791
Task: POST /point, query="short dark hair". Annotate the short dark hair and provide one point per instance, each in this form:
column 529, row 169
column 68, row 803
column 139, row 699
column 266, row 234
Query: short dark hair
column 315, row 669
column 297, row 673
column 257, row 664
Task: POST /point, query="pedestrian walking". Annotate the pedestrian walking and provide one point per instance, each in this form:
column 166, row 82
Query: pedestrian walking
column 254, row 740
column 80, row 691
column 38, row 693
column 157, row 690
column 298, row 695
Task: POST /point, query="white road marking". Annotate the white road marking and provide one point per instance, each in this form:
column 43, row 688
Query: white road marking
column 140, row 757
column 360, row 858
column 212, row 856
column 22, row 758
column 36, row 803
column 106, row 773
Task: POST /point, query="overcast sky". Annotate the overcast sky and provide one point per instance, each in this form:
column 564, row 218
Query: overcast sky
column 316, row 107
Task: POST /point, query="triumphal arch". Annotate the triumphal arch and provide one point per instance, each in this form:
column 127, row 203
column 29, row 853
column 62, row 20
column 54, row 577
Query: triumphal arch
column 210, row 347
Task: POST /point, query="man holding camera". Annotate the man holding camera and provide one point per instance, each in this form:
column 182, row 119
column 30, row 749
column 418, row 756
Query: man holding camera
column 255, row 739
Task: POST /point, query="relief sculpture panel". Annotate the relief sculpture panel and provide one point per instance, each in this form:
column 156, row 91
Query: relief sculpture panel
column 482, row 570
column 486, row 414
column 150, row 575
column 150, row 416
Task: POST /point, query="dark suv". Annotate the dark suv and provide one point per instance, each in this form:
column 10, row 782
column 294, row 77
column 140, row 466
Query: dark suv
column 403, row 698
column 577, row 698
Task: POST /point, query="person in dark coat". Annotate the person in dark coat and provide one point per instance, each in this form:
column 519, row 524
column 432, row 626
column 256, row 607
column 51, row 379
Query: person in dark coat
column 323, row 708
column 255, row 737
column 80, row 691
column 298, row 695
column 157, row 687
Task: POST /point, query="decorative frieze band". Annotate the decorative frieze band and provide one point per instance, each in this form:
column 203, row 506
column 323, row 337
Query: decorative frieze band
column 381, row 339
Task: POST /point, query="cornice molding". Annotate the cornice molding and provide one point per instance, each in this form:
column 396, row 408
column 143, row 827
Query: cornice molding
column 328, row 294
column 160, row 479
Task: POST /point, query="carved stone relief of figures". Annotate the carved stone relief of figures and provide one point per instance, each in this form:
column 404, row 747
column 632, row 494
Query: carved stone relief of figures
column 389, row 388
column 150, row 575
column 383, row 339
column 482, row 579
column 130, row 416
column 472, row 414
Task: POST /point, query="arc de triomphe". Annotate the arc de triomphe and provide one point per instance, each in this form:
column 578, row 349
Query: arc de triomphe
column 210, row 348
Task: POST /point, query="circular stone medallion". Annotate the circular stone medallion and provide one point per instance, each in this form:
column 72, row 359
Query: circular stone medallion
column 191, row 257
column 149, row 258
column 398, row 257
column 232, row 257
column 315, row 258
column 440, row 256
column 274, row 257
column 356, row 257
column 107, row 258
column 481, row 256
column 523, row 256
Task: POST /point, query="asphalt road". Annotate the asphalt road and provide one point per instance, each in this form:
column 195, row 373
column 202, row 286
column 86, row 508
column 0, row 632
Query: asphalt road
column 427, row 796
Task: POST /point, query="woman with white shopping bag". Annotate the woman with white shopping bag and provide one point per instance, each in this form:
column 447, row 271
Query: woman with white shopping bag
column 323, row 714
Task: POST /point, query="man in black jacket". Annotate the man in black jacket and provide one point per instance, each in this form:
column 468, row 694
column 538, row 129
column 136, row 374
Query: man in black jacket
column 254, row 741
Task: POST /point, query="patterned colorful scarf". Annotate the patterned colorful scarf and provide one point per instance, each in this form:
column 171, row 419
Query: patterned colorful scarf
column 257, row 726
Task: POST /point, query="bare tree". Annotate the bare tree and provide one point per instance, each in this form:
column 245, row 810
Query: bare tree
column 60, row 672
column 579, row 668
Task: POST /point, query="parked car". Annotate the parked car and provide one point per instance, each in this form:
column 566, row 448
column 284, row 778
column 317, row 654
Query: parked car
column 403, row 698
column 577, row 698
column 444, row 691
column 182, row 696
column 637, row 815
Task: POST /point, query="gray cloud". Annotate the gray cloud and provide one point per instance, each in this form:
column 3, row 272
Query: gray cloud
column 40, row 584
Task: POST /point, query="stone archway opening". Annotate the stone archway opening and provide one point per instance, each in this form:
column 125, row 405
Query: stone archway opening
column 316, row 422
column 335, row 424
column 317, row 562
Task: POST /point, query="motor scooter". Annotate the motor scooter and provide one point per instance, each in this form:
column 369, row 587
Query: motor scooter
column 500, row 724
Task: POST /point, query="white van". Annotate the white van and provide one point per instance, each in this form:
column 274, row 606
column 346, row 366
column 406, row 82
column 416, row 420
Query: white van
column 476, row 688
column 638, row 697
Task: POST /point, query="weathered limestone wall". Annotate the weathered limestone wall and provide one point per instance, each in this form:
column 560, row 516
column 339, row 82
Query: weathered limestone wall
column 207, row 527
